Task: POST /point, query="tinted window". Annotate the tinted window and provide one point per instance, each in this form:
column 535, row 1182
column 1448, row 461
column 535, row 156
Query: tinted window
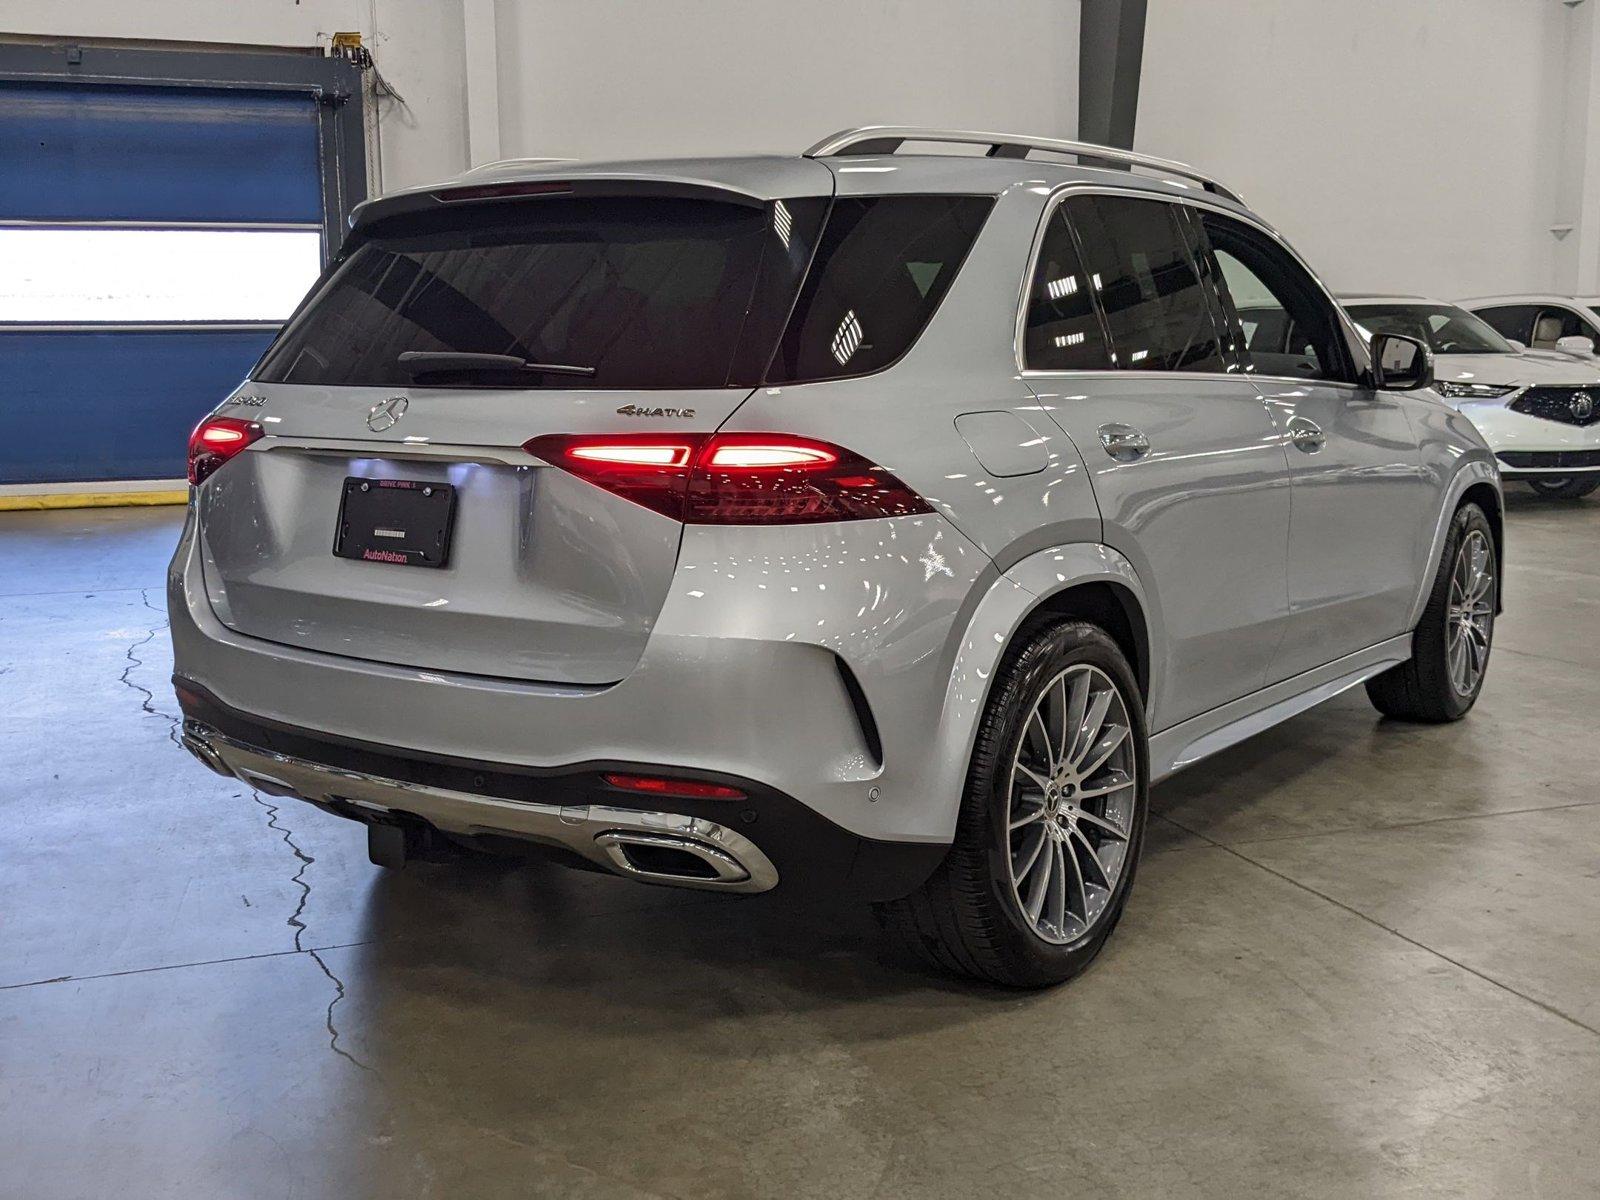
column 1157, row 309
column 648, row 292
column 883, row 263
column 1556, row 323
column 1511, row 320
column 1444, row 328
column 1062, row 330
column 1283, row 323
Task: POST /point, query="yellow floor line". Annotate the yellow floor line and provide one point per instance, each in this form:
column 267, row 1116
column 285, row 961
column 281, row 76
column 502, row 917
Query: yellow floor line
column 45, row 500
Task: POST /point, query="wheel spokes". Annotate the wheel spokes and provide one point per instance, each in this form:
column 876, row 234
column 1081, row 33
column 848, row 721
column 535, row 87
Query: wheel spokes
column 1089, row 728
column 1095, row 757
column 1023, row 820
column 1106, row 879
column 1102, row 823
column 1070, row 810
column 1040, row 737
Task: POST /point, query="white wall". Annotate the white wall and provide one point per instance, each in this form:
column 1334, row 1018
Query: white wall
column 1401, row 145
column 616, row 78
column 612, row 78
column 417, row 43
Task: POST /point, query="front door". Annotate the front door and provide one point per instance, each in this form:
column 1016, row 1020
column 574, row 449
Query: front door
column 1190, row 477
column 1359, row 492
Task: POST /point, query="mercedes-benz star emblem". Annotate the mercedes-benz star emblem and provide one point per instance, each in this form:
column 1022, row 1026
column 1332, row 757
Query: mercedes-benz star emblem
column 1581, row 406
column 386, row 414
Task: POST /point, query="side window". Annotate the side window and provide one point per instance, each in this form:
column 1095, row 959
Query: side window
column 1554, row 324
column 882, row 266
column 1514, row 321
column 1287, row 326
column 1157, row 308
column 1062, row 330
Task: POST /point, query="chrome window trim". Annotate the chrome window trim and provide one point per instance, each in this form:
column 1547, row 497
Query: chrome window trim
column 1065, row 191
column 1234, row 377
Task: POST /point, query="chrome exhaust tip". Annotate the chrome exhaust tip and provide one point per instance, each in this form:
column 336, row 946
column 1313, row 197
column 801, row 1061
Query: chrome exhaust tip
column 662, row 858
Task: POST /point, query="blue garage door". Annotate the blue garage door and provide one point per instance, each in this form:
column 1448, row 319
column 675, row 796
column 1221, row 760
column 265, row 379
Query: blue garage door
column 151, row 241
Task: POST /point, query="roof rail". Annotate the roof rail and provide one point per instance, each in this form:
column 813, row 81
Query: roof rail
column 886, row 139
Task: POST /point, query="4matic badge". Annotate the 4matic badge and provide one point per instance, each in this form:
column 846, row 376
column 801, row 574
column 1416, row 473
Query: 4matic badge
column 638, row 410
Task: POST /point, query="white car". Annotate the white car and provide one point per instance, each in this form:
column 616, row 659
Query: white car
column 1570, row 324
column 1539, row 410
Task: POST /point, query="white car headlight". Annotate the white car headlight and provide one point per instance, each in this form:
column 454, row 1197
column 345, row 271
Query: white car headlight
column 1473, row 391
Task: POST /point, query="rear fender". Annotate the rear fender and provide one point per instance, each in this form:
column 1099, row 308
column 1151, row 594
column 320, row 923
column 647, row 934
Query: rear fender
column 1010, row 600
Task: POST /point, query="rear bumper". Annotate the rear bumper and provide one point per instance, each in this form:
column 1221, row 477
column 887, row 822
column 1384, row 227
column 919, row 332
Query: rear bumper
column 571, row 809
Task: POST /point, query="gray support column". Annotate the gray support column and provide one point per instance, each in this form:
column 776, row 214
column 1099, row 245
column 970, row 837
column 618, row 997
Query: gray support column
column 1110, row 49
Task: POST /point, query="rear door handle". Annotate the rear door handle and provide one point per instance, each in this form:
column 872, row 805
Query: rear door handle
column 1123, row 442
column 1306, row 435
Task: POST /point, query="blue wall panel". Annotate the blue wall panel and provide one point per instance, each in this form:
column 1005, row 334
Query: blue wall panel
column 81, row 406
column 81, row 152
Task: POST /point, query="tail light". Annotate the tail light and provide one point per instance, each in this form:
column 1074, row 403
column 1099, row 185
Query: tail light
column 215, row 440
column 733, row 478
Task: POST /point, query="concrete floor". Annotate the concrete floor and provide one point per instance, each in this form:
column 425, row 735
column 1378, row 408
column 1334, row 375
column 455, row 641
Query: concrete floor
column 1362, row 960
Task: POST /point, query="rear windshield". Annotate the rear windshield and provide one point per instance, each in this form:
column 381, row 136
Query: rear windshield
column 633, row 292
column 645, row 292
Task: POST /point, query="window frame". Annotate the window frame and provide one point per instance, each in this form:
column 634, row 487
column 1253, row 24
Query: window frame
column 1358, row 355
column 1242, row 352
column 1095, row 306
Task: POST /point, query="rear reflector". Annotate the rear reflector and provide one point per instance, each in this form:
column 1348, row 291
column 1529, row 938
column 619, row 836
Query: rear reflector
column 684, row 788
column 215, row 440
column 733, row 478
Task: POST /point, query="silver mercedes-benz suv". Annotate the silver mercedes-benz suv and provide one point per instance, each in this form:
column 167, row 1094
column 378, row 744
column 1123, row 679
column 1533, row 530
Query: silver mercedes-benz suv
column 879, row 521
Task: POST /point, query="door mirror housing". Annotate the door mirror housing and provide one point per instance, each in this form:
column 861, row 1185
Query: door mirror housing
column 1519, row 347
column 1400, row 363
column 1575, row 344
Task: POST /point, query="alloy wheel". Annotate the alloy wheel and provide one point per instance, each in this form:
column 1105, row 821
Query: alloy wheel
column 1070, row 804
column 1469, row 620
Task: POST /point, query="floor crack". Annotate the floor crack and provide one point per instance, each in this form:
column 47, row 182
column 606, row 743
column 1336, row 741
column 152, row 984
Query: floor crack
column 147, row 700
column 296, row 923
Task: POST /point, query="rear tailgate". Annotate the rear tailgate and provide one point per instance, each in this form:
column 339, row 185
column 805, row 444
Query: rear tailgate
column 547, row 577
column 667, row 307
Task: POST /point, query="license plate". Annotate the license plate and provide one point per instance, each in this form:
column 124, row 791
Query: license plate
column 401, row 521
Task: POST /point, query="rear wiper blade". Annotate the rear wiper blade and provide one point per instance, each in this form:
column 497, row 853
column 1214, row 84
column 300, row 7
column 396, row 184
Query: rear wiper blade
column 429, row 362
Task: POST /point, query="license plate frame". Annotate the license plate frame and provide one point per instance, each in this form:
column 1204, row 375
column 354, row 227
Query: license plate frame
column 398, row 522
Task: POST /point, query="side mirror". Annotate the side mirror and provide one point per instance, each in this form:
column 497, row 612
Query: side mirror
column 1575, row 344
column 1400, row 363
column 1519, row 347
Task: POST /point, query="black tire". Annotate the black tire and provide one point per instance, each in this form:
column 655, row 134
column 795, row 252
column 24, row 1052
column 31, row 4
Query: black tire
column 1564, row 487
column 966, row 918
column 1421, row 689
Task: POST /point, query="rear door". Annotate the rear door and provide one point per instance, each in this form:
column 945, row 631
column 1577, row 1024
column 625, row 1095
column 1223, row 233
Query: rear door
column 1361, row 501
column 1122, row 345
column 610, row 313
